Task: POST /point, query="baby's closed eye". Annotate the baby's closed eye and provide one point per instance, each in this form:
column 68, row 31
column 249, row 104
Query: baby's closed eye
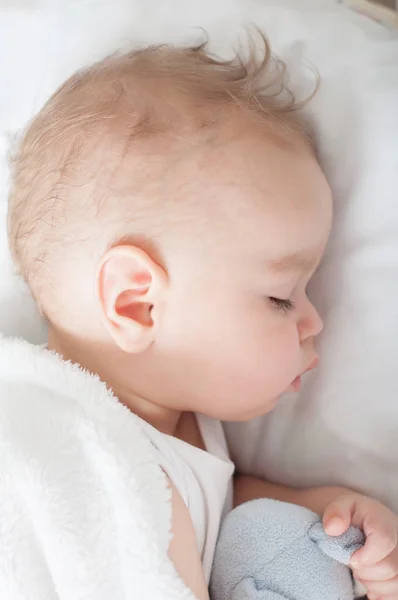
column 283, row 304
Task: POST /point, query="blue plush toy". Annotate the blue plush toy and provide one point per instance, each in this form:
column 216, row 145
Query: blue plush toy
column 269, row 550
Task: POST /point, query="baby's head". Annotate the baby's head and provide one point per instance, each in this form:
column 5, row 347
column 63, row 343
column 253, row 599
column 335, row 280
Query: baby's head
column 167, row 212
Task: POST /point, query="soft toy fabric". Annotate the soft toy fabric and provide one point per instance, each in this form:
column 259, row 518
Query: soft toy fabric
column 269, row 550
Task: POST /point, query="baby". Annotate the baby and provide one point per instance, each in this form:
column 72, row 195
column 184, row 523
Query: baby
column 167, row 212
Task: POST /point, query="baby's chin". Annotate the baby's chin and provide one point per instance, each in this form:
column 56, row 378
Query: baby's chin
column 260, row 411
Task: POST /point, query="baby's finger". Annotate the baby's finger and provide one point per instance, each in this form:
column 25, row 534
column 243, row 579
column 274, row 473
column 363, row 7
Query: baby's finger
column 381, row 532
column 381, row 589
column 337, row 516
column 385, row 570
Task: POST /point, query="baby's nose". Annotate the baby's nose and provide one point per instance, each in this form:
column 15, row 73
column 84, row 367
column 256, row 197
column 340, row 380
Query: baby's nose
column 310, row 324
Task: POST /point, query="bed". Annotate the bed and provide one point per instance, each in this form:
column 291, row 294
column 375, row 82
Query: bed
column 384, row 11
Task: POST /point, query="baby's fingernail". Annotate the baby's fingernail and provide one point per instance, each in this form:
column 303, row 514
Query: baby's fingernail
column 334, row 524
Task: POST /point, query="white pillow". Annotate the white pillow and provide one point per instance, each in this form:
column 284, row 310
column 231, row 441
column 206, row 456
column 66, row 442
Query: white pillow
column 344, row 426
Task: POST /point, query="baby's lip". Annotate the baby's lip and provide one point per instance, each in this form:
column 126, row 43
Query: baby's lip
column 296, row 383
column 312, row 365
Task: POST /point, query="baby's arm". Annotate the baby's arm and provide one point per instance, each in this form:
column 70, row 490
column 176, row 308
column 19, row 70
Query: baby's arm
column 316, row 499
column 183, row 549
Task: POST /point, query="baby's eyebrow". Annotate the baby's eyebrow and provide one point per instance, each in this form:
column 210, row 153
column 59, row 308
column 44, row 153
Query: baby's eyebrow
column 292, row 262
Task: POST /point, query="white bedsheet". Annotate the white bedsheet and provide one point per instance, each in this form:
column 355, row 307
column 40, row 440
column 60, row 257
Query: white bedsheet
column 344, row 426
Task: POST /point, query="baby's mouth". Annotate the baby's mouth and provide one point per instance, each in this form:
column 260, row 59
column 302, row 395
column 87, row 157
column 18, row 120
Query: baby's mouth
column 312, row 365
column 295, row 386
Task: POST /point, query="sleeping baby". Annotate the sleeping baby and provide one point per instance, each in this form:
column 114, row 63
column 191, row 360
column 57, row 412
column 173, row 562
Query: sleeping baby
column 167, row 211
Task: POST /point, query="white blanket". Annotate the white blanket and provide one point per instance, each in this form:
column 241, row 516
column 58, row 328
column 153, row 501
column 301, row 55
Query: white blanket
column 84, row 508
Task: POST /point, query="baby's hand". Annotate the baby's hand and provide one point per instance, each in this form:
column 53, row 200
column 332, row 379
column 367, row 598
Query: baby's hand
column 376, row 564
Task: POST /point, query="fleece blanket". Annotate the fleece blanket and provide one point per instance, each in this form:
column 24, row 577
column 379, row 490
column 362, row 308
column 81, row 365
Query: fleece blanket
column 84, row 508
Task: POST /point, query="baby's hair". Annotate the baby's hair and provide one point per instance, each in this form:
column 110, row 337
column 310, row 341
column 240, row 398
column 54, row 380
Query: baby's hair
column 88, row 164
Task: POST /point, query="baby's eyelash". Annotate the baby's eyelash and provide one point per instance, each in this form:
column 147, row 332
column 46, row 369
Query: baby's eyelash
column 282, row 304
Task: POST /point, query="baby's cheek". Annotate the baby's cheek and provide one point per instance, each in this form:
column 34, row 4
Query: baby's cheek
column 284, row 353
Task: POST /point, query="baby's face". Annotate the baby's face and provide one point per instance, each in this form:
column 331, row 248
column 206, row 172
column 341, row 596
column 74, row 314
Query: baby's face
column 239, row 324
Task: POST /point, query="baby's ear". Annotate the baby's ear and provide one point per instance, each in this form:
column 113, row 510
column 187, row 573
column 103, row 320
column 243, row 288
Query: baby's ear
column 131, row 290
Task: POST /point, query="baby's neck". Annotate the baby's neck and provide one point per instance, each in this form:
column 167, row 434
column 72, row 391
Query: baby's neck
column 98, row 359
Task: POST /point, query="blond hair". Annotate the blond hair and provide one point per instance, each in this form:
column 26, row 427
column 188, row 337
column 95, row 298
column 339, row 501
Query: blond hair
column 67, row 182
